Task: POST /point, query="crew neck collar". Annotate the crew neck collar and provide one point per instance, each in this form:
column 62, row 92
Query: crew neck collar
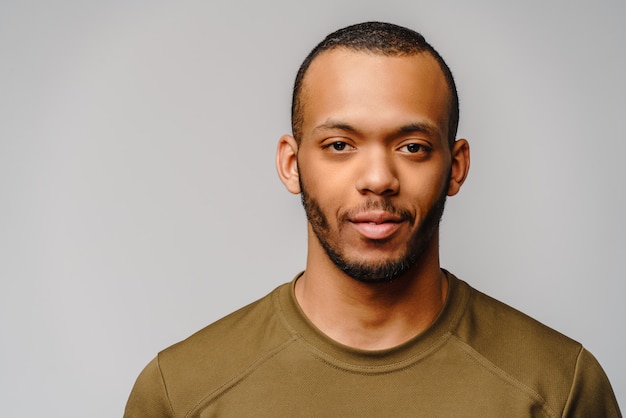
column 373, row 361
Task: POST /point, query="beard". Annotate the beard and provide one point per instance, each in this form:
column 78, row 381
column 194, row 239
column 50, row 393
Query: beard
column 375, row 271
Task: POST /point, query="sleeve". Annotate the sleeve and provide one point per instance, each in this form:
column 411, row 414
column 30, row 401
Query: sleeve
column 591, row 394
column 149, row 399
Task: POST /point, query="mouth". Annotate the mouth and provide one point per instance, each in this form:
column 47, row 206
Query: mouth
column 376, row 225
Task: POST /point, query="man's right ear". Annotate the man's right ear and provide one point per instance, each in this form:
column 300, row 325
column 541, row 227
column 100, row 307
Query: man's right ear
column 287, row 163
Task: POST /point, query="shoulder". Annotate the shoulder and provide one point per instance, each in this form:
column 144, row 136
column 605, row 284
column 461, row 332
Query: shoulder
column 239, row 332
column 537, row 357
column 221, row 353
column 513, row 340
column 489, row 325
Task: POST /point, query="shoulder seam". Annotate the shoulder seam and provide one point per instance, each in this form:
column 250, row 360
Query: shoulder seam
column 234, row 381
column 507, row 378
column 571, row 388
column 167, row 395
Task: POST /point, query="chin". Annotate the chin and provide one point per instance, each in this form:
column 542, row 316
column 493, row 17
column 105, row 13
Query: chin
column 370, row 271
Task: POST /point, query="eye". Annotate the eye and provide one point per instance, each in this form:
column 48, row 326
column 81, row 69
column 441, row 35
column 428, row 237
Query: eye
column 414, row 148
column 338, row 146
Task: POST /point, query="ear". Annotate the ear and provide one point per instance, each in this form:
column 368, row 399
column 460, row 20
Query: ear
column 287, row 163
column 460, row 166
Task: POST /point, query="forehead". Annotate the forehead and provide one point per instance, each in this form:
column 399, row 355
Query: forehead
column 375, row 89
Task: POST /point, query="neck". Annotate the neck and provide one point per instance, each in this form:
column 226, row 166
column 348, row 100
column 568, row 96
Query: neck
column 372, row 316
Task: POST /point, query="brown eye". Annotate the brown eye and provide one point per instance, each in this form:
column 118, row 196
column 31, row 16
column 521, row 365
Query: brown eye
column 338, row 146
column 413, row 148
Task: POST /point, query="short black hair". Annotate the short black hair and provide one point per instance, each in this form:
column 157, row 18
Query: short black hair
column 379, row 38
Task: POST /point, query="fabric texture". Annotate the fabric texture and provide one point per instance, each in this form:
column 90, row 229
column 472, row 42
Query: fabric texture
column 480, row 358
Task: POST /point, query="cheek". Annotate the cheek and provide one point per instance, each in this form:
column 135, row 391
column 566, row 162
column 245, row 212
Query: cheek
column 325, row 182
column 424, row 187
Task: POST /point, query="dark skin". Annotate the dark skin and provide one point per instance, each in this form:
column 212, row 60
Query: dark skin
column 375, row 159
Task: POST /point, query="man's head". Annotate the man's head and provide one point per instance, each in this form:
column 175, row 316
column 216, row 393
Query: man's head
column 373, row 152
column 373, row 38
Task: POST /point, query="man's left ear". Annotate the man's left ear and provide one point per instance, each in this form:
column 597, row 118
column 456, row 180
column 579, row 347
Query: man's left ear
column 460, row 166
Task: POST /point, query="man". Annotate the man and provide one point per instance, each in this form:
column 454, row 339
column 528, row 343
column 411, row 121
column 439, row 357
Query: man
column 374, row 326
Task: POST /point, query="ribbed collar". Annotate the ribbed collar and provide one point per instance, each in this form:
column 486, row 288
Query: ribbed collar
column 378, row 361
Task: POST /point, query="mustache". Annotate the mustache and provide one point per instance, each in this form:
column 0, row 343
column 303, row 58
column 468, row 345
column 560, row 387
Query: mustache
column 378, row 205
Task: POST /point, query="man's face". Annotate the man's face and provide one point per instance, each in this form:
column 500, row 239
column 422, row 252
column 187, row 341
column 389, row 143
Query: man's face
column 373, row 160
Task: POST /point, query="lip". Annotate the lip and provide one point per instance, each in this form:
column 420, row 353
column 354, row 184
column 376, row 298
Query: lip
column 376, row 216
column 376, row 225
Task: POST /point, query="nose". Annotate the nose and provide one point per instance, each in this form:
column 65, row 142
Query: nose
column 378, row 174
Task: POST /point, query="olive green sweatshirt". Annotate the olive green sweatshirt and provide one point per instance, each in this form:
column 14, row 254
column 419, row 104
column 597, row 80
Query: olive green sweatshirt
column 480, row 358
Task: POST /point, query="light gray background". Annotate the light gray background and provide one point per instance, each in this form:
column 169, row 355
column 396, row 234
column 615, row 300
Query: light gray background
column 139, row 200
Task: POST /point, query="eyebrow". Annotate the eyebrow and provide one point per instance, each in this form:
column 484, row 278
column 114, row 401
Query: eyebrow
column 334, row 124
column 422, row 127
